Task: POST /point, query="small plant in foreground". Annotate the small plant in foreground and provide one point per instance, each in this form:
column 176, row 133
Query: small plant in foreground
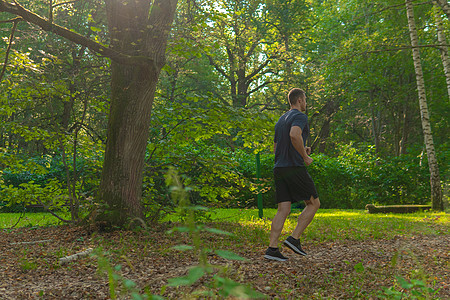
column 26, row 265
column 217, row 283
column 414, row 289
column 117, row 282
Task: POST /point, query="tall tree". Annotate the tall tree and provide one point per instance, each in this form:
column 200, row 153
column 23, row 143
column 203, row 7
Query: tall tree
column 436, row 190
column 443, row 48
column 138, row 33
column 365, row 87
column 253, row 38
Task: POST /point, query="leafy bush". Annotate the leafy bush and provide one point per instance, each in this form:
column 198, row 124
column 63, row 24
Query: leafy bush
column 51, row 194
column 223, row 178
column 27, row 182
column 211, row 171
column 246, row 166
column 333, row 182
column 394, row 180
column 351, row 180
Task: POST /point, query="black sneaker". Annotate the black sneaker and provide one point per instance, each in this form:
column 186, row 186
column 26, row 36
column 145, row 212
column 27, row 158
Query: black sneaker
column 294, row 245
column 275, row 255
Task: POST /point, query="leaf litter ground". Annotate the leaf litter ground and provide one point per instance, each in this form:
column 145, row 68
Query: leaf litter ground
column 341, row 269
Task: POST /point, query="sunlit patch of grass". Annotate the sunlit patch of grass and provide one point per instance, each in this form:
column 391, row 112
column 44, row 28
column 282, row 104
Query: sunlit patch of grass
column 359, row 225
column 7, row 220
column 335, row 224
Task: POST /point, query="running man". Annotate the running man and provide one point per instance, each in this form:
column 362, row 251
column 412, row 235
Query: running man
column 292, row 180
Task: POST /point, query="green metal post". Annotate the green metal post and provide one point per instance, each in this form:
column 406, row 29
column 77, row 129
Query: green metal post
column 258, row 180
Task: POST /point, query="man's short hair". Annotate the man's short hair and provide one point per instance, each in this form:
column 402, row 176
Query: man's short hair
column 295, row 94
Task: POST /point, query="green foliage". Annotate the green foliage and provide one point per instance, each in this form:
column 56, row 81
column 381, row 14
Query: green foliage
column 404, row 289
column 228, row 179
column 350, row 56
column 219, row 284
column 119, row 285
column 247, row 168
column 350, row 180
column 333, row 182
column 44, row 179
column 27, row 265
column 205, row 140
column 26, row 182
column 29, row 193
column 389, row 181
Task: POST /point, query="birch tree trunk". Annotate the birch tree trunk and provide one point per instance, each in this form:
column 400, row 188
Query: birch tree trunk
column 435, row 181
column 443, row 48
column 443, row 4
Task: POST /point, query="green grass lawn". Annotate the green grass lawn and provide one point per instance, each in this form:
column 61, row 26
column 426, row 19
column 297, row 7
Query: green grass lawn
column 7, row 220
column 329, row 224
column 336, row 224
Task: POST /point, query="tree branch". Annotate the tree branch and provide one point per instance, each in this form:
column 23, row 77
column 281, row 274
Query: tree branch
column 250, row 51
column 11, row 20
column 405, row 47
column 53, row 214
column 217, row 67
column 11, row 37
column 67, row 259
column 257, row 70
column 264, row 84
column 62, row 3
column 167, row 133
column 72, row 36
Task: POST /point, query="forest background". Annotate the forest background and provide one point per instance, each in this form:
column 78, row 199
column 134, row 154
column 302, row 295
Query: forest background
column 229, row 65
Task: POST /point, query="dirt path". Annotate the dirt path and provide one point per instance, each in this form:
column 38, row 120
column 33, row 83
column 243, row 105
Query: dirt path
column 344, row 269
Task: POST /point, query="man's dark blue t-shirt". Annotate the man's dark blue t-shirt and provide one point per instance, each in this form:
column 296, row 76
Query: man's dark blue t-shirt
column 285, row 153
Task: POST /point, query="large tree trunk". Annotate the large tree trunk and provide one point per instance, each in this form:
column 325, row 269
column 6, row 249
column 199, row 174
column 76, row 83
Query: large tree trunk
column 436, row 190
column 443, row 48
column 129, row 121
column 132, row 93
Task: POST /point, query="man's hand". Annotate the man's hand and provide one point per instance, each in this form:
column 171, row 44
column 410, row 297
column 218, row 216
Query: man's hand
column 308, row 160
column 308, row 150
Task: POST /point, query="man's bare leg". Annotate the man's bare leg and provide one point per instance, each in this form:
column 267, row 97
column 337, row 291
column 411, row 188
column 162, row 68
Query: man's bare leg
column 284, row 209
column 305, row 218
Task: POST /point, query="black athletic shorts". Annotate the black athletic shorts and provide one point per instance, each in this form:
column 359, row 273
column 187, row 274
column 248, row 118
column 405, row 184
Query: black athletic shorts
column 294, row 184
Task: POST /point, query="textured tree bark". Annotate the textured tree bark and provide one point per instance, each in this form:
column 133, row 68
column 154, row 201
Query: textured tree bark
column 436, row 190
column 328, row 111
column 132, row 93
column 324, row 134
column 443, row 48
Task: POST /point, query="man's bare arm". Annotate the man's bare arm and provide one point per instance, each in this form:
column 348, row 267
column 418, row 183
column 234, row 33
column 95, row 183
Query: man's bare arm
column 297, row 142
